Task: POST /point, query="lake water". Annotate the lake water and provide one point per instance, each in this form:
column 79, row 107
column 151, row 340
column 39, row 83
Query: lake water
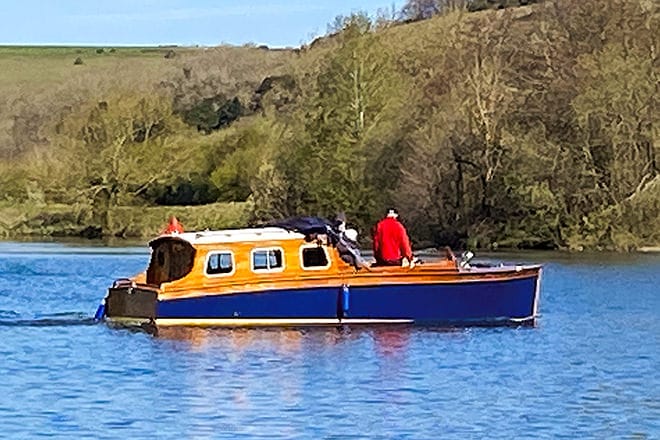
column 590, row 369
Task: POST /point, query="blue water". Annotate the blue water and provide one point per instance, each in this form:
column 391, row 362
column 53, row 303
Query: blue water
column 590, row 369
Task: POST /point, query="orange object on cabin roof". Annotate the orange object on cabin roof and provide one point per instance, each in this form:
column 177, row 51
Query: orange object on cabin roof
column 173, row 227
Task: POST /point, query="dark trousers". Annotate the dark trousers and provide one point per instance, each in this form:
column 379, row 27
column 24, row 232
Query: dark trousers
column 388, row 262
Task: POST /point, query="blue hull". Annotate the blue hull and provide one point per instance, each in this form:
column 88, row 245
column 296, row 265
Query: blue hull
column 462, row 303
column 470, row 302
column 299, row 303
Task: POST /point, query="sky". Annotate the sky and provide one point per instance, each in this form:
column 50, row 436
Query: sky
column 276, row 23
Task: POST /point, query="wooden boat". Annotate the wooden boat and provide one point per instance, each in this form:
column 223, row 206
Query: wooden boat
column 298, row 276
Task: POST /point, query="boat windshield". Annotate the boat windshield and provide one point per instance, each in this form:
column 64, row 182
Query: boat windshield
column 171, row 259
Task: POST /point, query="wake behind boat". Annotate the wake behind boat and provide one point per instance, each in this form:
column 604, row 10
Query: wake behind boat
column 302, row 272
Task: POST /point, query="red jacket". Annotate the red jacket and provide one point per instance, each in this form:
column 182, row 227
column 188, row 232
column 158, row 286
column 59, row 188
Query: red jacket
column 391, row 241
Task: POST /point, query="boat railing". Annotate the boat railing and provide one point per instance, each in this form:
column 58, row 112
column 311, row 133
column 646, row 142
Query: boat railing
column 123, row 282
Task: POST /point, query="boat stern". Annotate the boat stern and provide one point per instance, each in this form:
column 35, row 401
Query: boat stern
column 130, row 303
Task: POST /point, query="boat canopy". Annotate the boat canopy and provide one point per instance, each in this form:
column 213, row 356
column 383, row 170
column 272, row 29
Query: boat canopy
column 304, row 225
column 313, row 226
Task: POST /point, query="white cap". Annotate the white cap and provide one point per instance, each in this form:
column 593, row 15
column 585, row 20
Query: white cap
column 351, row 234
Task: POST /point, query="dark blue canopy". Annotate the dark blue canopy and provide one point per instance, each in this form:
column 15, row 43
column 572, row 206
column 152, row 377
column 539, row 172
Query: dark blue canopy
column 304, row 225
column 310, row 226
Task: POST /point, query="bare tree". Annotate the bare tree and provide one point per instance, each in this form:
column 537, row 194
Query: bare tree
column 422, row 9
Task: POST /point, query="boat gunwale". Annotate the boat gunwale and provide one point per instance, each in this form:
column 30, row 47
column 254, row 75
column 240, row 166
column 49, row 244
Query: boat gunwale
column 337, row 280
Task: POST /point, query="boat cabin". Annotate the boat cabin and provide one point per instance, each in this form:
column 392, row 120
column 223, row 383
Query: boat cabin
column 241, row 256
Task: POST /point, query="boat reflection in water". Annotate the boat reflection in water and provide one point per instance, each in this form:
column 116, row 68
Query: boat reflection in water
column 302, row 272
column 239, row 340
column 388, row 341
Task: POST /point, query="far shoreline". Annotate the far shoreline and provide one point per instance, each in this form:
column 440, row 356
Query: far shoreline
column 143, row 241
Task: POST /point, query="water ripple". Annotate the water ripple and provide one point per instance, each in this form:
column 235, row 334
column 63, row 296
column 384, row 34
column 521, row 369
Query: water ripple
column 589, row 370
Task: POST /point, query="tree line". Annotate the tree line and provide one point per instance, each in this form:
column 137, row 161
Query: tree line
column 532, row 127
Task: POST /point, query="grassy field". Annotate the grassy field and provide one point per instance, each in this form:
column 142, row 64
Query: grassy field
column 36, row 67
column 59, row 51
column 30, row 70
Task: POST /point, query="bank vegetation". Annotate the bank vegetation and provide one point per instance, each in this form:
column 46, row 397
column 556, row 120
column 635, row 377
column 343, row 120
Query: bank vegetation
column 531, row 126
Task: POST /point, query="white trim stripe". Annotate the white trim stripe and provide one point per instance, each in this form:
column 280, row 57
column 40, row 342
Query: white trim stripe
column 527, row 319
column 537, row 293
column 270, row 322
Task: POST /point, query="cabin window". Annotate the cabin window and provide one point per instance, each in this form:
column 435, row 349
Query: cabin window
column 314, row 257
column 220, row 263
column 266, row 260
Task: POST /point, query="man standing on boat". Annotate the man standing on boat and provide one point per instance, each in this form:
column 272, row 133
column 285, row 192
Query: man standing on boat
column 391, row 242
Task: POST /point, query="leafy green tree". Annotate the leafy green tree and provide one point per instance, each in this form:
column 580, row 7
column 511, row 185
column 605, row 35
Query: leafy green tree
column 617, row 102
column 352, row 109
column 239, row 154
column 120, row 147
column 468, row 97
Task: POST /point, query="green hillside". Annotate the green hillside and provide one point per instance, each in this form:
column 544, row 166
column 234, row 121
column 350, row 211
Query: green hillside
column 533, row 127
